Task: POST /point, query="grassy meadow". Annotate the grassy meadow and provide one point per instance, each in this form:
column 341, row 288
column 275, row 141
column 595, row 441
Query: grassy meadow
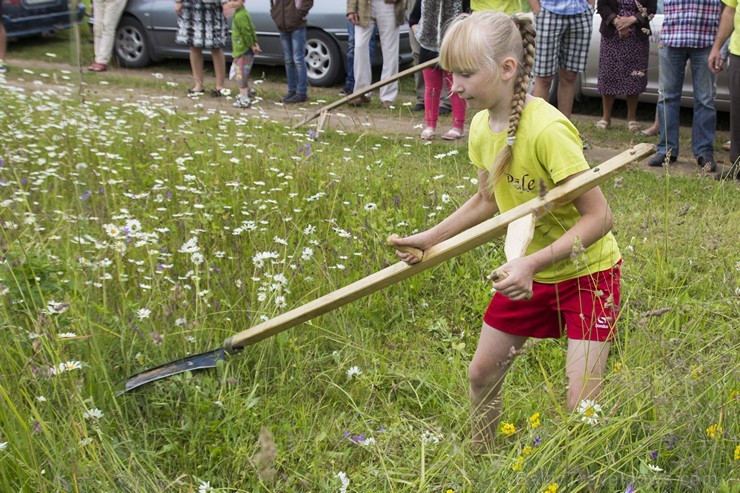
column 135, row 232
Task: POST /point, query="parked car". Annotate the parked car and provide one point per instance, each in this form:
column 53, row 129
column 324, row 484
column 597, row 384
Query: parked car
column 147, row 30
column 589, row 78
column 33, row 17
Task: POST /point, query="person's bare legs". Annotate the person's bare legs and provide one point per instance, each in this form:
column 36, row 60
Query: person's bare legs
column 584, row 367
column 542, row 87
column 3, row 42
column 566, row 91
column 486, row 373
column 219, row 66
column 196, row 65
column 632, row 100
column 607, row 103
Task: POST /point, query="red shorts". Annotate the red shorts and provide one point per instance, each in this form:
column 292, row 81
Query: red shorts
column 586, row 306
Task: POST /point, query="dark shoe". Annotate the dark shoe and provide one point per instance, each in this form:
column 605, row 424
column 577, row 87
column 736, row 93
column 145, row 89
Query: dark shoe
column 360, row 100
column 3, row 67
column 192, row 93
column 418, row 107
column 659, row 160
column 346, row 91
column 287, row 96
column 296, row 98
column 707, row 163
column 217, row 93
column 443, row 110
column 731, row 173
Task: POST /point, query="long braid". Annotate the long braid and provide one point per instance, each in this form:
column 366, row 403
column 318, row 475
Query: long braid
column 521, row 88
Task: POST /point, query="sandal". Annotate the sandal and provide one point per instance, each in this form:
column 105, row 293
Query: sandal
column 727, row 145
column 217, row 93
column 649, row 132
column 194, row 93
column 633, row 126
column 603, row 124
column 453, row 134
column 428, row 133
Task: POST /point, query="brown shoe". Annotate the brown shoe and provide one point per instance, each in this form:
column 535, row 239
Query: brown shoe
column 387, row 104
column 359, row 100
column 97, row 67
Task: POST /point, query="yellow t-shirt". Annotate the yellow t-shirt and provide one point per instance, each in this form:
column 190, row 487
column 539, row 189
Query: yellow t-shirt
column 734, row 40
column 505, row 6
column 547, row 149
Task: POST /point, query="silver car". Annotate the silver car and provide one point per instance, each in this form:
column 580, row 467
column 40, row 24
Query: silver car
column 147, row 31
column 589, row 78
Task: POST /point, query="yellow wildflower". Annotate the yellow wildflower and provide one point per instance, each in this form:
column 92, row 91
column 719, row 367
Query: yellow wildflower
column 551, row 488
column 737, row 452
column 449, row 490
column 714, row 431
column 517, row 465
column 617, row 367
column 695, row 371
column 508, row 428
column 534, row 420
column 527, row 450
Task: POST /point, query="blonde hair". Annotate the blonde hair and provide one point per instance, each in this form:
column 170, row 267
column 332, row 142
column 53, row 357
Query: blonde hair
column 483, row 40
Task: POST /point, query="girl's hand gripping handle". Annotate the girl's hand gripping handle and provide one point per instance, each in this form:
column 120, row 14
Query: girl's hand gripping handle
column 415, row 252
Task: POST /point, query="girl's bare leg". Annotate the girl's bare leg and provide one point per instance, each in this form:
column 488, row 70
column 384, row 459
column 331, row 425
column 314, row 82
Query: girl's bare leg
column 196, row 65
column 584, row 367
column 486, row 373
column 219, row 66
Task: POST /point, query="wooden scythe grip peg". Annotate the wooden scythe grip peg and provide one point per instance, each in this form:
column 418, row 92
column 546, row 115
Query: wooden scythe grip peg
column 419, row 254
column 519, row 235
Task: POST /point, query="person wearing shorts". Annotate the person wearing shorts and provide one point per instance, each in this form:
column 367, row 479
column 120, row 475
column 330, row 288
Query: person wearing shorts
column 564, row 30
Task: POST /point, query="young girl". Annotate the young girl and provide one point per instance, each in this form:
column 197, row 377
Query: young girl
column 572, row 265
column 244, row 46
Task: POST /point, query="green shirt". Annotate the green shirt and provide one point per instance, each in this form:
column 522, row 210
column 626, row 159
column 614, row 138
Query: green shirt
column 547, row 150
column 505, row 6
column 243, row 34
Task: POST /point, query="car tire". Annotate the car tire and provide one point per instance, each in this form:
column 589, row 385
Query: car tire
column 131, row 44
column 323, row 59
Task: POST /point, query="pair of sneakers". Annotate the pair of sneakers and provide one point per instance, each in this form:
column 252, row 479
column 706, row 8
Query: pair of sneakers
column 293, row 98
column 242, row 102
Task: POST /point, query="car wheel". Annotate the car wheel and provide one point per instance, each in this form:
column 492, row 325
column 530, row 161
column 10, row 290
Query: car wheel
column 131, row 44
column 323, row 59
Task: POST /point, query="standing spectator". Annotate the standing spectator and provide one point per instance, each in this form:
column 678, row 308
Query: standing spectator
column 730, row 25
column 3, row 43
column 107, row 14
column 415, row 49
column 689, row 29
column 429, row 20
column 388, row 16
column 290, row 19
column 243, row 48
column 349, row 81
column 201, row 24
column 623, row 55
column 563, row 35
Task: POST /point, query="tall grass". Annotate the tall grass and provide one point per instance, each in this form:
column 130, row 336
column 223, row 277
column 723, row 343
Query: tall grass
column 134, row 233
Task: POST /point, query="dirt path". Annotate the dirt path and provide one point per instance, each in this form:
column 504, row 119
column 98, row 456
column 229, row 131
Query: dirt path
column 395, row 122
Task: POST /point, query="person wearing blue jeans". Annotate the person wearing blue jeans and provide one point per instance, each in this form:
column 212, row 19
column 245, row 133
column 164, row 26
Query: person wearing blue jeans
column 349, row 82
column 688, row 33
column 290, row 19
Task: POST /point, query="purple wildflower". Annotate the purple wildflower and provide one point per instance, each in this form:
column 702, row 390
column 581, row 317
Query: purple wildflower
column 630, row 489
column 654, row 454
column 537, row 441
column 86, row 195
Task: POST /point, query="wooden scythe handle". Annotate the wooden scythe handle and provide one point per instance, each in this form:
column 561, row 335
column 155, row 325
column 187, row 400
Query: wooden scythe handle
column 519, row 235
column 372, row 87
column 450, row 248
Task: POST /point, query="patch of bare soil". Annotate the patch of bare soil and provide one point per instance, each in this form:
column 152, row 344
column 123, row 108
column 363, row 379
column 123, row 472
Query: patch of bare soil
column 398, row 121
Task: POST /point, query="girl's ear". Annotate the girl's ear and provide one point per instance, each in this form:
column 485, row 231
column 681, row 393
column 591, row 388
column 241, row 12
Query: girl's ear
column 509, row 67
